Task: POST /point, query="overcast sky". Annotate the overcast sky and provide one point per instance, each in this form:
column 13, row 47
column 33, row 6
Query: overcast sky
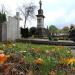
column 58, row 12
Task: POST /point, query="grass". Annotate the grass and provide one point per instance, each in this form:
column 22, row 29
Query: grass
column 24, row 46
column 51, row 61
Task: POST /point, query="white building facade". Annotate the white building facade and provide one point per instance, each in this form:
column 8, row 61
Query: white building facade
column 11, row 29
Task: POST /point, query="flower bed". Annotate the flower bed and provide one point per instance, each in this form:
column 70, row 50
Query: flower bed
column 28, row 59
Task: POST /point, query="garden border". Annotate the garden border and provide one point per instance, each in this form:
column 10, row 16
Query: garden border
column 46, row 42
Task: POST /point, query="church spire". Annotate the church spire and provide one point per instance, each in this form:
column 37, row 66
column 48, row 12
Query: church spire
column 40, row 2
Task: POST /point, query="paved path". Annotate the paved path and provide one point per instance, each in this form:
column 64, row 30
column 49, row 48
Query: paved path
column 73, row 52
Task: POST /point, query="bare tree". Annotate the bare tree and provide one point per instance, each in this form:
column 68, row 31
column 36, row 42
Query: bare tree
column 3, row 9
column 28, row 12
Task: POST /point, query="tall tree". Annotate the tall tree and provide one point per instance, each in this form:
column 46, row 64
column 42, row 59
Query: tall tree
column 72, row 34
column 53, row 29
column 65, row 30
column 72, row 26
column 2, row 17
column 28, row 12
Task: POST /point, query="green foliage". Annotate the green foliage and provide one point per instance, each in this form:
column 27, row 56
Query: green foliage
column 24, row 32
column 32, row 30
column 53, row 29
column 65, row 30
column 72, row 26
column 72, row 34
column 52, row 38
column 2, row 17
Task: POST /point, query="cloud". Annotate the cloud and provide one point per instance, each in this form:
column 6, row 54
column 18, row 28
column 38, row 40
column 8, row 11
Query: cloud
column 52, row 17
column 58, row 12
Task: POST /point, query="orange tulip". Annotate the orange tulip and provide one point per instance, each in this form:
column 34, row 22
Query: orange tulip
column 3, row 58
column 39, row 61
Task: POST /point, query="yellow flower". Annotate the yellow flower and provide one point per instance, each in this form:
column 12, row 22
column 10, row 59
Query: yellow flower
column 68, row 52
column 70, row 61
column 13, row 45
column 4, row 45
column 9, row 45
column 47, row 51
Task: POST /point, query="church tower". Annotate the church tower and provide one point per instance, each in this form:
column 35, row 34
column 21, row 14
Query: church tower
column 40, row 16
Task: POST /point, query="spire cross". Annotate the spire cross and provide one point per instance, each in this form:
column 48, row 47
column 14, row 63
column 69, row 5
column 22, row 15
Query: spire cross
column 40, row 2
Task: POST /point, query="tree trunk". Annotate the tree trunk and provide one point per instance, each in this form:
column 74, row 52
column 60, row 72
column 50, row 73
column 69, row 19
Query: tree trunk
column 25, row 23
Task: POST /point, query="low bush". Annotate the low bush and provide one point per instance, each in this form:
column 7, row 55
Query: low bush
column 72, row 34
